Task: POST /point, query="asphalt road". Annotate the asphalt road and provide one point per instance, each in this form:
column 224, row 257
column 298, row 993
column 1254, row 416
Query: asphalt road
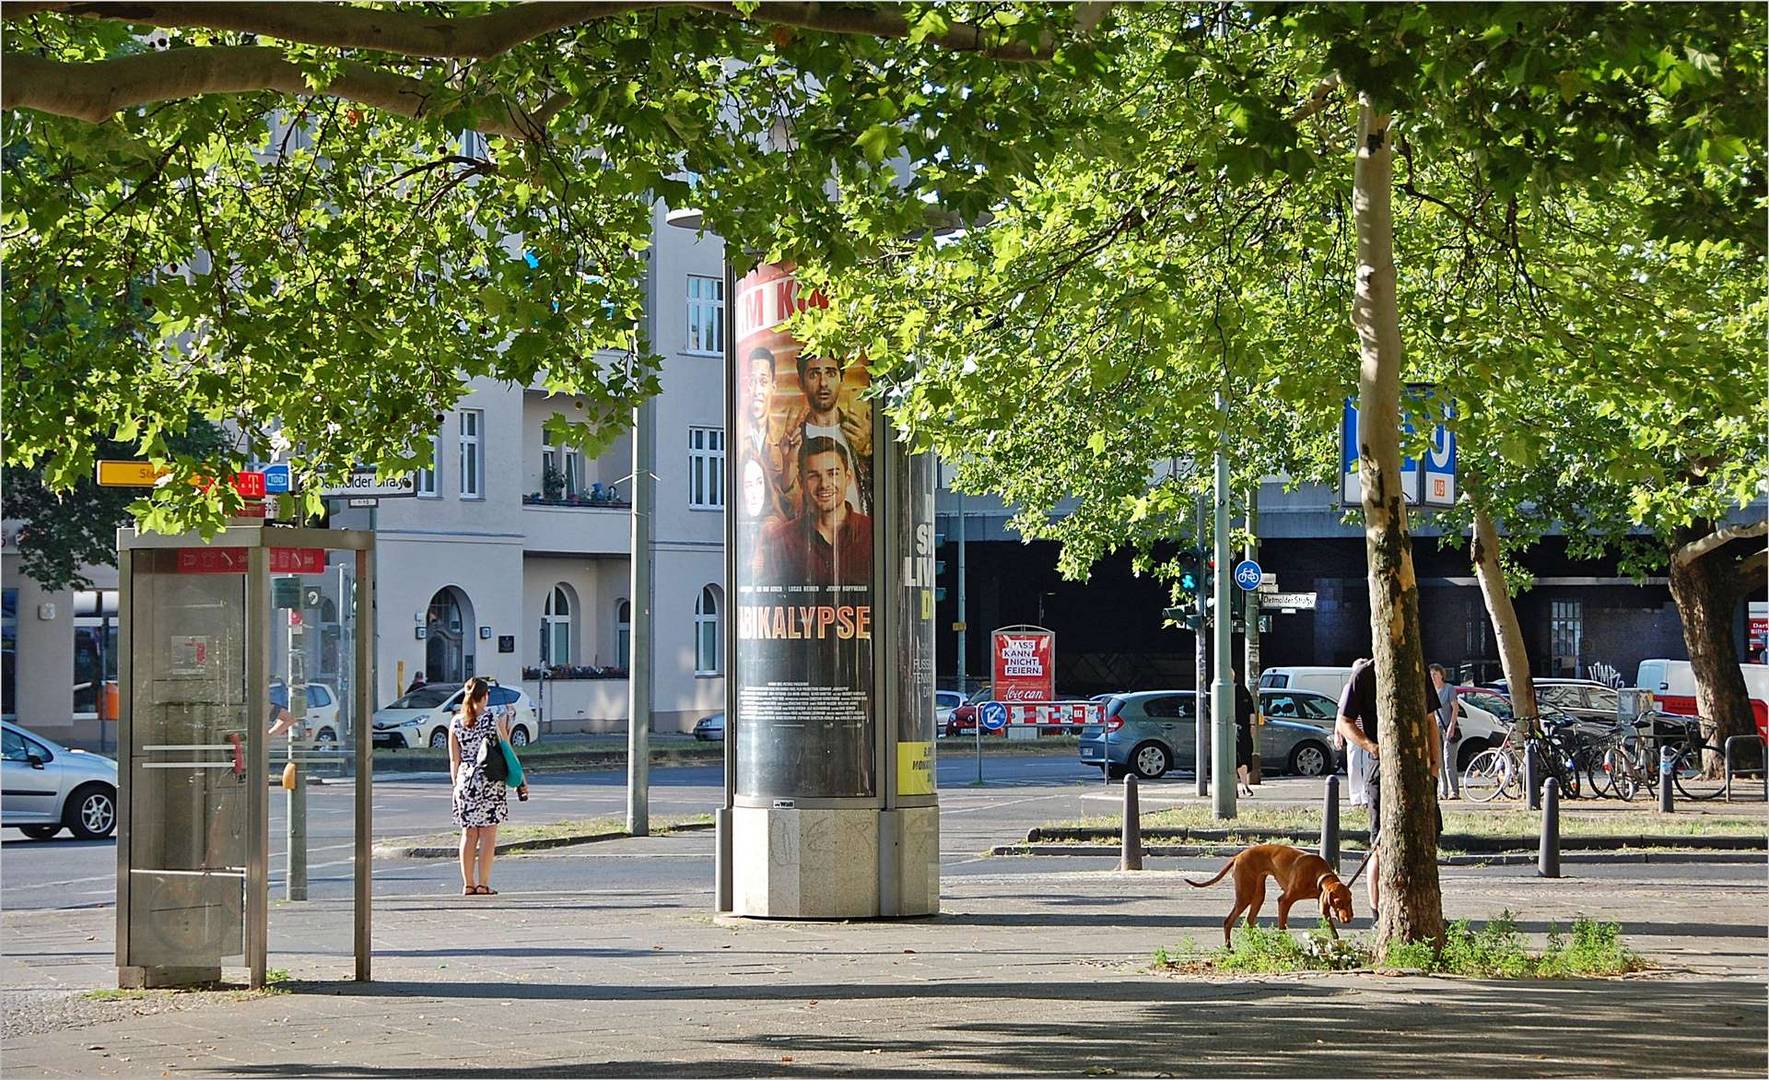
column 1021, row 791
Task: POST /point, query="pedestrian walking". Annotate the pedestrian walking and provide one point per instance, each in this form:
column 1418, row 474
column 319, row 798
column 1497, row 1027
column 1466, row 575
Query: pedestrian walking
column 1449, row 782
column 480, row 803
column 1358, row 725
column 1243, row 736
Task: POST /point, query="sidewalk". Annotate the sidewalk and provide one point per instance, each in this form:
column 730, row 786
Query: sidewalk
column 1031, row 969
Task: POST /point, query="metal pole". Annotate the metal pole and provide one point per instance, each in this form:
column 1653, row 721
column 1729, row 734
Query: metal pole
column 641, row 587
column 1330, row 823
column 364, row 640
column 1532, row 776
column 1667, row 768
column 977, row 724
column 1130, row 857
column 1250, row 673
column 1222, row 691
column 1548, row 856
column 1200, row 697
column 963, row 619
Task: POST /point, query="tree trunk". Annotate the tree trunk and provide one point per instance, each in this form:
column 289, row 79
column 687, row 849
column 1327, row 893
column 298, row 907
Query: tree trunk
column 1513, row 657
column 1411, row 903
column 1707, row 584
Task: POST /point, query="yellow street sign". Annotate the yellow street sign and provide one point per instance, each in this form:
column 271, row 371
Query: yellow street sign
column 131, row 473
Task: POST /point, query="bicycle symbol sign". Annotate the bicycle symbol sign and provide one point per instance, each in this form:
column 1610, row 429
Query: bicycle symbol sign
column 1247, row 574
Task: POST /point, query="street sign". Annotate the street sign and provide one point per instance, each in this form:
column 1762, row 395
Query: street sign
column 1247, row 575
column 1297, row 601
column 992, row 715
column 278, row 479
column 364, row 483
column 129, row 473
column 1428, row 481
column 364, row 504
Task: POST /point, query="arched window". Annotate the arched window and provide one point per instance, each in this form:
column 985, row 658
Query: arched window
column 706, row 632
column 556, row 627
column 623, row 634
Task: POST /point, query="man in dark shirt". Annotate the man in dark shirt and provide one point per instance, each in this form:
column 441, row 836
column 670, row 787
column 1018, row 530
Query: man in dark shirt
column 1357, row 724
column 830, row 543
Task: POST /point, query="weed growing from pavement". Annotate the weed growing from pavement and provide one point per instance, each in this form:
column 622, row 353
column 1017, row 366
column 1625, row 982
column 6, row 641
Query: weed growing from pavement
column 276, row 981
column 1497, row 950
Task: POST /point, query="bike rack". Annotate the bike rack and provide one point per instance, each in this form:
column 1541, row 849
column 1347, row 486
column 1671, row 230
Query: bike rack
column 1762, row 770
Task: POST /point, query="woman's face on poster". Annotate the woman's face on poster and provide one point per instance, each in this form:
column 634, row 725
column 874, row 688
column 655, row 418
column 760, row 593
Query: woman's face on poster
column 755, row 488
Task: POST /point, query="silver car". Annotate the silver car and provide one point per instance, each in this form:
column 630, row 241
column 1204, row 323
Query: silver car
column 49, row 787
column 1153, row 731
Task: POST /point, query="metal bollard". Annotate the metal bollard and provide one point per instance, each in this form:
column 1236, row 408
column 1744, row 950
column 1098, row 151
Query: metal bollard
column 1131, row 857
column 295, row 882
column 1733, row 741
column 1667, row 768
column 1330, row 824
column 1548, row 857
column 1532, row 776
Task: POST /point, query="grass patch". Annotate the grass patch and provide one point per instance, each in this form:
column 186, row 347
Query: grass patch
column 1497, row 950
column 607, row 825
column 276, row 981
column 1518, row 823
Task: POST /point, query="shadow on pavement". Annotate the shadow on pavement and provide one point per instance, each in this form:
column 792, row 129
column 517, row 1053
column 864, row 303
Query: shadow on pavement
column 1279, row 1027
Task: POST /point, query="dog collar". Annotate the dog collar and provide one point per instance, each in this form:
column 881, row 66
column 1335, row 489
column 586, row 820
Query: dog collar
column 1322, row 880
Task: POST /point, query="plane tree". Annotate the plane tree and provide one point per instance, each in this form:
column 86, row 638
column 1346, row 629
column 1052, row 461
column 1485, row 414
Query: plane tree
column 333, row 215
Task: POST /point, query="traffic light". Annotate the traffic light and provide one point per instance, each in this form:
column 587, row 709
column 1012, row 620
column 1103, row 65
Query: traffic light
column 939, row 567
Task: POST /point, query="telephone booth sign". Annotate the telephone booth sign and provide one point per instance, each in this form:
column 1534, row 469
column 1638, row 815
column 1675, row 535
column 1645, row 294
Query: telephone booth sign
column 209, row 665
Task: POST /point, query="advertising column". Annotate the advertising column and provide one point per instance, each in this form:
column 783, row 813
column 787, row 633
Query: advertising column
column 816, row 735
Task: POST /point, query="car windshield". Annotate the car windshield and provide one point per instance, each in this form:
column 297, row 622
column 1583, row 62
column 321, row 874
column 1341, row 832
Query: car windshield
column 425, row 697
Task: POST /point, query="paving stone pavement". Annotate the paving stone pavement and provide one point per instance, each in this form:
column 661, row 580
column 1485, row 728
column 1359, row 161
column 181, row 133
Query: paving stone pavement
column 1029, row 971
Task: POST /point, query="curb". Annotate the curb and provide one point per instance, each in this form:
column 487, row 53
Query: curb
column 1508, row 858
column 1461, row 842
column 396, row 851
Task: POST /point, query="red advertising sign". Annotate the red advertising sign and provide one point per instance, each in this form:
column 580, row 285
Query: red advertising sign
column 250, row 485
column 232, row 560
column 1025, row 664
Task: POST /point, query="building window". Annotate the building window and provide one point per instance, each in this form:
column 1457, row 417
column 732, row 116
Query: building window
column 706, row 468
column 706, row 315
column 427, row 478
column 562, row 471
column 472, row 455
column 706, row 632
column 556, row 627
column 623, row 634
column 1566, row 635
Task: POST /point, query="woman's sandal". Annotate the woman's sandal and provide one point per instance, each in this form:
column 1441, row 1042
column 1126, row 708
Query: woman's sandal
column 487, row 890
column 469, row 890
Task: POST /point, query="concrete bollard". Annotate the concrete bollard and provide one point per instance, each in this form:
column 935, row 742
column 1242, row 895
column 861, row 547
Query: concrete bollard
column 1532, row 776
column 1548, row 857
column 1131, row 858
column 1330, row 823
column 1667, row 769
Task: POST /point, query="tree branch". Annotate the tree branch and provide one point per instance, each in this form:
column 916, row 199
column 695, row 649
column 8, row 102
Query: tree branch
column 1318, row 99
column 97, row 91
column 1717, row 539
column 339, row 26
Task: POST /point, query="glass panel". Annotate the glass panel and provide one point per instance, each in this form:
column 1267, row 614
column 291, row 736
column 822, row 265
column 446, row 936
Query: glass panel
column 561, row 642
column 188, row 792
column 9, row 642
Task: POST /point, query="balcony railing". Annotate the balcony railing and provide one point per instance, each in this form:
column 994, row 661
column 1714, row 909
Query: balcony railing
column 585, row 500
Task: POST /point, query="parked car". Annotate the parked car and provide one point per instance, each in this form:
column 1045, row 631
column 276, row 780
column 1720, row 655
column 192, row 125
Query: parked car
column 421, row 718
column 964, row 717
column 945, row 701
column 48, row 787
column 1672, row 683
column 1154, row 731
column 706, row 729
column 1585, row 699
column 319, row 716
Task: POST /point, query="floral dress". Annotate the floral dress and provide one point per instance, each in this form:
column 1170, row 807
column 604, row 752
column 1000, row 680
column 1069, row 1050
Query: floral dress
column 478, row 802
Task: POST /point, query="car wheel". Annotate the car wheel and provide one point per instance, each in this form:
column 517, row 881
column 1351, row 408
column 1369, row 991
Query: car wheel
column 1309, row 759
column 1150, row 760
column 91, row 812
column 40, row 832
column 518, row 736
column 326, row 738
column 1466, row 753
column 439, row 739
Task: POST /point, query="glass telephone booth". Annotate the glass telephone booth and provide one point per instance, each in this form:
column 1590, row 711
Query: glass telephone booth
column 208, row 649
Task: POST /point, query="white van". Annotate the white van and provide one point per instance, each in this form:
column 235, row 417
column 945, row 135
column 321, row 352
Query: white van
column 1322, row 680
column 1672, row 683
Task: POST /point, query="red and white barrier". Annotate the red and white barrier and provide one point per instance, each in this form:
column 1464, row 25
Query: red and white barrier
column 1059, row 713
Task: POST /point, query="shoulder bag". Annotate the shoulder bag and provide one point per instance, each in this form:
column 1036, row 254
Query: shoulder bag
column 491, row 762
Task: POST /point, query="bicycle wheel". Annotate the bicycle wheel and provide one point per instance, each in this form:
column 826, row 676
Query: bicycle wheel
column 1488, row 775
column 1692, row 782
column 1618, row 770
column 1597, row 774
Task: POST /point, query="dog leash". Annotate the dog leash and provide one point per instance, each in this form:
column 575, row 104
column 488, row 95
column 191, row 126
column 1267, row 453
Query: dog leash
column 1368, row 855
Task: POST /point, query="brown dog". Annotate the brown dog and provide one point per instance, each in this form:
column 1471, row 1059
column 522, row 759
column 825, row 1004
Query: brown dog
column 1302, row 875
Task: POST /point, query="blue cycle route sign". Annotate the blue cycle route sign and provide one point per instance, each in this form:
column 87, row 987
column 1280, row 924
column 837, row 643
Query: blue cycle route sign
column 992, row 715
column 1247, row 574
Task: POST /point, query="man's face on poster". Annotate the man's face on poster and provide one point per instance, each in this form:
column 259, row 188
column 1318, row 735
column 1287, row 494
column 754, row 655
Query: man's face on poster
column 823, row 382
column 826, row 480
column 759, row 385
column 755, row 488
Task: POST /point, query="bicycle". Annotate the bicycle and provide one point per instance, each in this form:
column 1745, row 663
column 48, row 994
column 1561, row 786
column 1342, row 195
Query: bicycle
column 1631, row 757
column 1499, row 770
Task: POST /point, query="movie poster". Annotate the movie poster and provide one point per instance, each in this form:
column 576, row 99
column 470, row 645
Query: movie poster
column 802, row 460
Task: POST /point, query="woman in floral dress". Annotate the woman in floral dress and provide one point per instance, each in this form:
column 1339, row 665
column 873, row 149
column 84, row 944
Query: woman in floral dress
column 480, row 804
